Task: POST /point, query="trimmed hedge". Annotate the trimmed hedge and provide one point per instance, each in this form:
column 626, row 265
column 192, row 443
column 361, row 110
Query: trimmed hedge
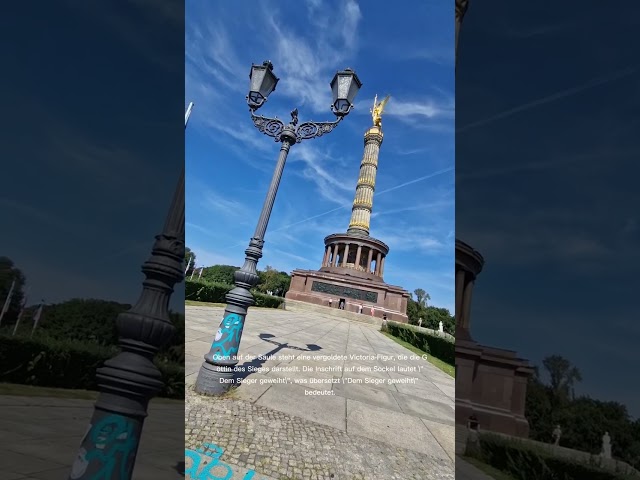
column 45, row 362
column 203, row 291
column 439, row 347
column 524, row 462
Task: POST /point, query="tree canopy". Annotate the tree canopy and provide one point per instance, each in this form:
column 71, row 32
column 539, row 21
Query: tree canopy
column 189, row 260
column 271, row 280
column 219, row 274
column 431, row 316
column 421, row 297
column 583, row 420
column 8, row 273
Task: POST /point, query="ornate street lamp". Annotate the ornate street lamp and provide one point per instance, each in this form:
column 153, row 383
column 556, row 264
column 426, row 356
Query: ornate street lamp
column 262, row 83
column 128, row 381
column 217, row 373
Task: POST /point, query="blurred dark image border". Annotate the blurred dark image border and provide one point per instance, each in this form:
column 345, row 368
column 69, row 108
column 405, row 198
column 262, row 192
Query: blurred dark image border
column 93, row 189
column 546, row 220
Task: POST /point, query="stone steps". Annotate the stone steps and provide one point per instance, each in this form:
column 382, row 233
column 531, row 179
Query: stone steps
column 296, row 305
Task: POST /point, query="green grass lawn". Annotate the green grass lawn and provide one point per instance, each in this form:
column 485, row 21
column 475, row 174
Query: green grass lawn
column 445, row 367
column 18, row 390
column 193, row 303
column 488, row 469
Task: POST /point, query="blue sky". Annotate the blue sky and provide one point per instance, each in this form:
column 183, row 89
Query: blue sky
column 548, row 102
column 229, row 163
column 89, row 184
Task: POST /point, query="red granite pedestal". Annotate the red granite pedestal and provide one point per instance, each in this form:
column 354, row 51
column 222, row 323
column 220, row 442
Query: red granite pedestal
column 325, row 288
column 491, row 383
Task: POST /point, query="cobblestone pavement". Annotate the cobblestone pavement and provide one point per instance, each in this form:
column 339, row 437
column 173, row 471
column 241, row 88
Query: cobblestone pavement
column 387, row 430
column 289, row 448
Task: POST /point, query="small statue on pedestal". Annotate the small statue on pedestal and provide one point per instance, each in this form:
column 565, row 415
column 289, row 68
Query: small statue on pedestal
column 557, row 433
column 606, row 446
column 473, row 438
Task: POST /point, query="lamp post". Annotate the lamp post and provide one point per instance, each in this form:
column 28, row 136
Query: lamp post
column 461, row 9
column 128, row 381
column 217, row 372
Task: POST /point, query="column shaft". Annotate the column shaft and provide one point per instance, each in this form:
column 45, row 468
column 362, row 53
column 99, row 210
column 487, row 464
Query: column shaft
column 378, row 263
column 459, row 290
column 369, row 259
column 358, row 254
column 346, row 255
column 334, row 260
column 466, row 304
column 382, row 266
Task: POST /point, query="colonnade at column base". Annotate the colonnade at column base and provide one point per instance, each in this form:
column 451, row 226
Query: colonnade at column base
column 355, row 254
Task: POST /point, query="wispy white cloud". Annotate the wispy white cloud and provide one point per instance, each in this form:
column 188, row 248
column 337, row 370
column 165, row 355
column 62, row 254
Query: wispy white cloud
column 34, row 213
column 205, row 257
column 303, row 260
column 422, row 208
column 411, row 240
column 308, row 61
column 200, row 228
column 434, row 112
column 429, row 109
column 223, row 206
column 440, row 55
column 569, row 92
column 311, row 221
column 212, row 56
column 559, row 160
column 555, row 237
column 156, row 18
column 330, row 184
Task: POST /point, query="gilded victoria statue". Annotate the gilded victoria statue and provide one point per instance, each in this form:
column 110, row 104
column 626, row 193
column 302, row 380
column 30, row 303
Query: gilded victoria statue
column 376, row 111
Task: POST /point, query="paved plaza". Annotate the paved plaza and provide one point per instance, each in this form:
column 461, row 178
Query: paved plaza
column 394, row 425
column 40, row 437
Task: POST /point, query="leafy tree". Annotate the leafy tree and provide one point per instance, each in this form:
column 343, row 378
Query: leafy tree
column 220, row 274
column 539, row 410
column 413, row 311
column 583, row 420
column 82, row 320
column 189, row 259
column 562, row 376
column 421, row 297
column 634, row 449
column 431, row 316
column 435, row 315
column 273, row 281
column 8, row 273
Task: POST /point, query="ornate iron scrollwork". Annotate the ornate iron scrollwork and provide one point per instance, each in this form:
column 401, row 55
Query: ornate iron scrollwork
column 273, row 127
column 308, row 130
column 269, row 126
